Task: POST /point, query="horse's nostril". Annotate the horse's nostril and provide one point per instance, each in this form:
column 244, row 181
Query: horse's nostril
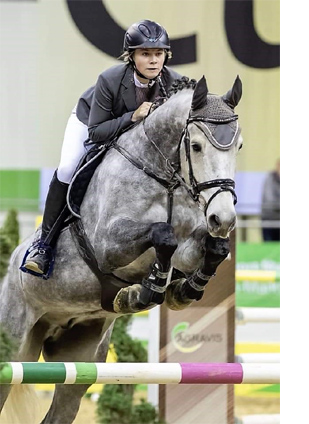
column 214, row 220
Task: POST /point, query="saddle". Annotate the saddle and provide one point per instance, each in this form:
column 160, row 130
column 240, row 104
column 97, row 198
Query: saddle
column 85, row 170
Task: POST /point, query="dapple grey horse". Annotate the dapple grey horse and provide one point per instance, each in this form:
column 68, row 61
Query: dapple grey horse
column 157, row 214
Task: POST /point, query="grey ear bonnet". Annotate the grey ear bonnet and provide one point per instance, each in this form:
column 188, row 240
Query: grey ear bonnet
column 219, row 124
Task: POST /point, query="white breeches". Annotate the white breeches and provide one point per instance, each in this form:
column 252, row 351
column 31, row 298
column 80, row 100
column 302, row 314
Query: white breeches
column 72, row 148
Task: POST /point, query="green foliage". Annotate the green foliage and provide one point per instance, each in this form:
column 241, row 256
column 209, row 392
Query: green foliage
column 145, row 413
column 116, row 402
column 9, row 239
column 11, row 227
column 7, row 347
column 114, row 405
column 127, row 349
column 5, row 252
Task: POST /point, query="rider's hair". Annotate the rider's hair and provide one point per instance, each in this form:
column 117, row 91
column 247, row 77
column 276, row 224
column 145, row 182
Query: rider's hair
column 127, row 56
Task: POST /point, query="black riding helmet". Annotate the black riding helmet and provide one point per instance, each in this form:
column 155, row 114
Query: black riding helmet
column 146, row 34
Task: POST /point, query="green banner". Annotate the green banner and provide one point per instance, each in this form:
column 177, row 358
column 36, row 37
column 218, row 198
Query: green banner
column 258, row 256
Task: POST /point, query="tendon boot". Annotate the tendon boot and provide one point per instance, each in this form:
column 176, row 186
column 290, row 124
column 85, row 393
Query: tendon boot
column 153, row 287
column 38, row 258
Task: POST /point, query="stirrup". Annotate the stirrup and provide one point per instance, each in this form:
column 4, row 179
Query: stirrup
column 50, row 252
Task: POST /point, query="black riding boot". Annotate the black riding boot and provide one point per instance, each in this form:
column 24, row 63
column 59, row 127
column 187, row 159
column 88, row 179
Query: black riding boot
column 40, row 255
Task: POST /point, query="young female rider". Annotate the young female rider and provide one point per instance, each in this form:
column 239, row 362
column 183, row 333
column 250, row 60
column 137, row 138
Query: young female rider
column 122, row 95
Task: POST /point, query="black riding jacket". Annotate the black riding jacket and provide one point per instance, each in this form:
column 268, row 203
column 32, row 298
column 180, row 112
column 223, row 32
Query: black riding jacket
column 107, row 107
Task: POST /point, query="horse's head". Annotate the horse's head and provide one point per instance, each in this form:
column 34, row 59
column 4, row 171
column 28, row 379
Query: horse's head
column 212, row 140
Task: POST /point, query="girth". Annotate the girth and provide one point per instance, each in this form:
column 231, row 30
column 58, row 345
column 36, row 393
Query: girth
column 108, row 289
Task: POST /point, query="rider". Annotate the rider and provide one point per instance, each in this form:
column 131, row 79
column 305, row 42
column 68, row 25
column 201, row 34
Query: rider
column 123, row 95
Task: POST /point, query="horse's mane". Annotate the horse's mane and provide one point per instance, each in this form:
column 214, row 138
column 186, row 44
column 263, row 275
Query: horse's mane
column 178, row 85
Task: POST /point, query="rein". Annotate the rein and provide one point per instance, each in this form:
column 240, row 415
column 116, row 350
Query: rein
column 170, row 184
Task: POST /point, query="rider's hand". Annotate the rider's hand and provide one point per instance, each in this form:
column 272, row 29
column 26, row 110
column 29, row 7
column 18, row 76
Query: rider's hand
column 141, row 112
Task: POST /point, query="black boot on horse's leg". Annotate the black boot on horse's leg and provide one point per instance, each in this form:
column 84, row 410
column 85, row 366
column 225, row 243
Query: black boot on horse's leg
column 37, row 262
column 154, row 286
column 151, row 291
column 217, row 249
column 182, row 292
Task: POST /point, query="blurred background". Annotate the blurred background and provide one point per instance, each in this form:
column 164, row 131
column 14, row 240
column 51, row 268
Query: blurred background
column 53, row 50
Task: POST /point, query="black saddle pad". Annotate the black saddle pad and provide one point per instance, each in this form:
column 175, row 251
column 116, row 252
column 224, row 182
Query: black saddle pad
column 82, row 177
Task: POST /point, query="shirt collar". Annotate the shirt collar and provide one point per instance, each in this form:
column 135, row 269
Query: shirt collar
column 141, row 85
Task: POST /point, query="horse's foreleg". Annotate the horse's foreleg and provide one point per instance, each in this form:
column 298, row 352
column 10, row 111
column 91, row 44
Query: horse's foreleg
column 165, row 243
column 183, row 291
column 152, row 290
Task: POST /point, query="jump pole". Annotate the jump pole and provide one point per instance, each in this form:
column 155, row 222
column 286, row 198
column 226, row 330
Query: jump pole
column 245, row 315
column 257, row 275
column 137, row 373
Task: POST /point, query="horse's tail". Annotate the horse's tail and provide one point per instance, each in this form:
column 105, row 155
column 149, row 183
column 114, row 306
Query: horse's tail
column 21, row 407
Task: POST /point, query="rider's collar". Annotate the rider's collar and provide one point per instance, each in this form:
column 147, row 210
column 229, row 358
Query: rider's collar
column 140, row 84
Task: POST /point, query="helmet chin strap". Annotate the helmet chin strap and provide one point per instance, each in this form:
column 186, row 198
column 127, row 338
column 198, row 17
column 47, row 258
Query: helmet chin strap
column 157, row 78
column 141, row 75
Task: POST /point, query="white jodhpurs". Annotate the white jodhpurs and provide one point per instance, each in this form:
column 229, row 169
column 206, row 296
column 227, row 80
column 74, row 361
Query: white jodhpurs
column 73, row 148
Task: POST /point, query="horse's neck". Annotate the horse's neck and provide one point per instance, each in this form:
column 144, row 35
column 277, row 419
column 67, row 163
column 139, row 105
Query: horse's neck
column 165, row 125
column 148, row 144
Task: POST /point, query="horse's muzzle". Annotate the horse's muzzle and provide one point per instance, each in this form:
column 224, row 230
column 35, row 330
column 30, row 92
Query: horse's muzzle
column 221, row 225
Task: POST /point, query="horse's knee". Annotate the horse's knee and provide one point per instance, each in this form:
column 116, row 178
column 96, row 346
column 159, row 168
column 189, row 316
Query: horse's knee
column 217, row 246
column 163, row 238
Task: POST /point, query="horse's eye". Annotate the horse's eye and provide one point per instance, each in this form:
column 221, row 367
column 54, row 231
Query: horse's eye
column 240, row 147
column 196, row 147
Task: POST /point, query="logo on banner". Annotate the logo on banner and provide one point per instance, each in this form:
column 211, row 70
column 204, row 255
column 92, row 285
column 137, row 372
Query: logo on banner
column 187, row 342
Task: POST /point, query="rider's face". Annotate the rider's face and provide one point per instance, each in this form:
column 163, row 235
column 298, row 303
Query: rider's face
column 149, row 62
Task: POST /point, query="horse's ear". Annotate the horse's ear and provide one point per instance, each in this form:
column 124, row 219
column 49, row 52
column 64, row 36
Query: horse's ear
column 200, row 94
column 233, row 96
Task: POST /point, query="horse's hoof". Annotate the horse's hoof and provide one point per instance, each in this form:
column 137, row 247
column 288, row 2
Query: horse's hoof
column 173, row 297
column 127, row 300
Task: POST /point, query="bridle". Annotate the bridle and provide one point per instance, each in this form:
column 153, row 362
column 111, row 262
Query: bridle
column 173, row 179
column 223, row 184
